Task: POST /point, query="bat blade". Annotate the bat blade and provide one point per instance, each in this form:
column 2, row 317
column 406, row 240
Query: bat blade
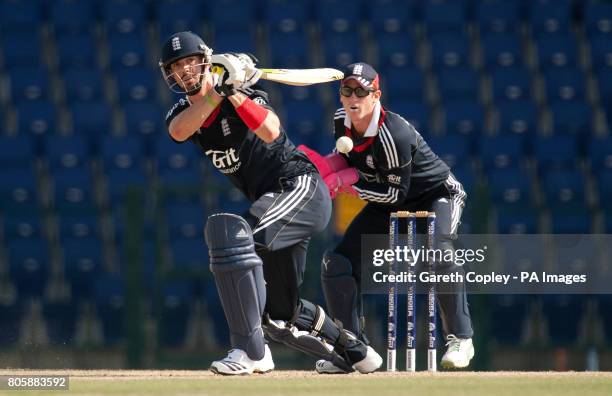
column 302, row 77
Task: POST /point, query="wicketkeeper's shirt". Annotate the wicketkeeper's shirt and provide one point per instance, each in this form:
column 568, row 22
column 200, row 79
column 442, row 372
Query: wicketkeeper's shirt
column 394, row 161
column 253, row 166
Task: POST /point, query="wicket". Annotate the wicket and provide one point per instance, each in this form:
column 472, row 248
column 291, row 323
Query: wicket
column 394, row 225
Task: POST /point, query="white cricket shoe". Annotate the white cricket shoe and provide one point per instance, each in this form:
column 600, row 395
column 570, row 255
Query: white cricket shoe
column 238, row 362
column 369, row 364
column 459, row 353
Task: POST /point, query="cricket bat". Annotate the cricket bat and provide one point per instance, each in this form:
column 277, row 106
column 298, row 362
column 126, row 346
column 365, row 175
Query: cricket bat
column 302, row 77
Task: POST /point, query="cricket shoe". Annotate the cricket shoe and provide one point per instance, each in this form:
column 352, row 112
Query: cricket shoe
column 459, row 353
column 369, row 364
column 238, row 362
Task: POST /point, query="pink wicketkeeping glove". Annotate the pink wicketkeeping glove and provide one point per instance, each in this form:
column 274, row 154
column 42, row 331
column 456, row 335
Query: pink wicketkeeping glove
column 336, row 162
column 317, row 159
column 341, row 181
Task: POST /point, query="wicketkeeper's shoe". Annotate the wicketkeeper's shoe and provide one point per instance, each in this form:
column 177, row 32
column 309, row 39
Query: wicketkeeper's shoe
column 459, row 352
column 369, row 364
column 238, row 362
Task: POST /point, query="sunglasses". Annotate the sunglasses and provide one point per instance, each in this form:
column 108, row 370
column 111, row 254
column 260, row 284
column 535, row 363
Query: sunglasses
column 360, row 92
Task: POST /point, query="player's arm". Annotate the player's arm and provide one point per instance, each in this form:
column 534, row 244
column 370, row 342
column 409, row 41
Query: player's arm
column 190, row 119
column 261, row 120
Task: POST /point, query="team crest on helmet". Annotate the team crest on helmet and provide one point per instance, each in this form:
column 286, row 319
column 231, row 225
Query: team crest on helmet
column 176, row 44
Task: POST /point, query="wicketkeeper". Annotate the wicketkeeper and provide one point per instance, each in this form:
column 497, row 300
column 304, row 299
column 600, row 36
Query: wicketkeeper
column 258, row 258
column 392, row 167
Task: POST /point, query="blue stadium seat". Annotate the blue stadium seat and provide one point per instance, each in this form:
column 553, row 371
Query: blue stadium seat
column 598, row 18
column 556, row 152
column 599, row 153
column 185, row 220
column 294, row 93
column 91, row 119
column 189, row 254
column 458, row 83
column 453, row 150
column 169, row 155
column 286, row 17
column 518, row 117
column 72, row 189
column 136, row 84
column 21, row 225
column 11, row 313
column 109, row 299
column 558, row 50
column 36, row 118
column 498, row 16
column 565, row 84
column 510, row 186
column 65, row 151
column 390, row 16
column 72, row 17
column 601, row 52
column 29, row 266
column 511, row 83
column 180, row 179
column 557, row 310
column 570, row 220
column 449, row 50
column 121, row 152
column 29, row 83
column 513, row 219
column 83, row 85
column 145, row 118
column 234, row 41
column 127, row 50
column 231, row 200
column 176, row 306
column 77, row 51
column 502, row 50
column 122, row 181
column 19, row 17
column 21, row 50
column 440, row 16
column 124, row 17
column 508, row 314
column 571, row 117
column 60, row 321
column 415, row 112
column 403, row 83
column 564, row 187
column 78, row 226
column 304, row 118
column 177, row 16
column 395, row 50
column 550, row 17
column 501, row 151
column 225, row 22
column 18, row 190
column 16, row 151
column 289, row 50
column 464, row 117
column 341, row 49
column 604, row 184
column 604, row 79
column 82, row 264
column 335, row 17
column 608, row 221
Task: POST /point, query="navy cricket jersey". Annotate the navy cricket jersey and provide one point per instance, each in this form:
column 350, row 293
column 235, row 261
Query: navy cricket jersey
column 252, row 165
column 394, row 162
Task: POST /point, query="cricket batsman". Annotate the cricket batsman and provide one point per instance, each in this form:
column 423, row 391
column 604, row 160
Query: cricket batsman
column 258, row 257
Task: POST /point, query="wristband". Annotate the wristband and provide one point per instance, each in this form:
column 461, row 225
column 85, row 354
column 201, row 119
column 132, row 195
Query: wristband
column 251, row 114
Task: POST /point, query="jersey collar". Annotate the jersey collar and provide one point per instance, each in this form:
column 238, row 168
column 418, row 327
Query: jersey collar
column 372, row 129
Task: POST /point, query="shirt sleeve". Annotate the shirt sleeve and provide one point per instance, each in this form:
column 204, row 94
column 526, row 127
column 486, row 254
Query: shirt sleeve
column 394, row 166
column 178, row 107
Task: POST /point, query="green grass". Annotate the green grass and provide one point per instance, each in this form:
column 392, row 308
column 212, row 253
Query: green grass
column 296, row 383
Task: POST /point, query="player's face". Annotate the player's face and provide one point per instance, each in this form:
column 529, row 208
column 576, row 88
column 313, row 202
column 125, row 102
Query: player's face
column 187, row 71
column 358, row 107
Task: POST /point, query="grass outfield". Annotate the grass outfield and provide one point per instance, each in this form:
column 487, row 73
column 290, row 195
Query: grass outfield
column 295, row 383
